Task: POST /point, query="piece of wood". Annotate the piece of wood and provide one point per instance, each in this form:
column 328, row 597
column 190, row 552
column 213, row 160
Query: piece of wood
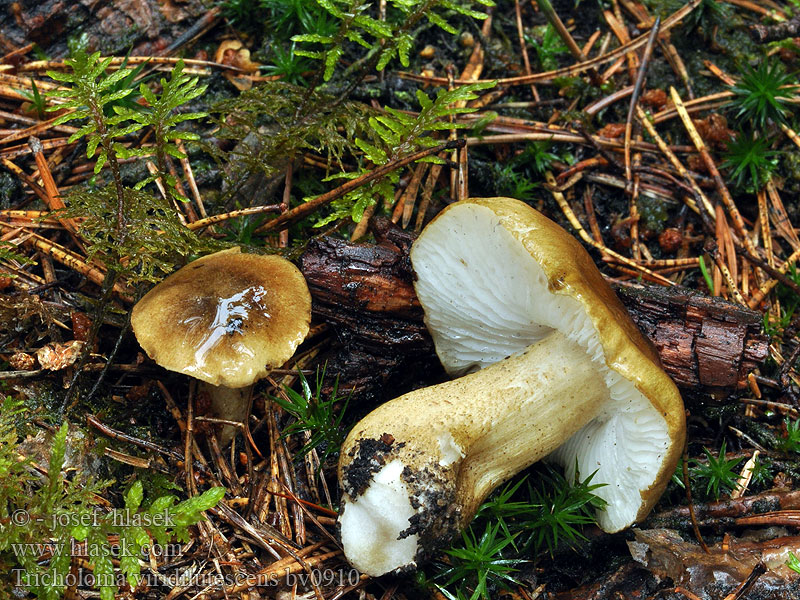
column 140, row 27
column 366, row 293
column 724, row 513
column 779, row 31
column 702, row 341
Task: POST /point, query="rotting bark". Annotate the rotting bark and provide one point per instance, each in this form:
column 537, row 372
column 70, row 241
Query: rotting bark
column 779, row 31
column 723, row 514
column 366, row 293
column 143, row 27
column 739, row 567
column 702, row 341
column 628, row 581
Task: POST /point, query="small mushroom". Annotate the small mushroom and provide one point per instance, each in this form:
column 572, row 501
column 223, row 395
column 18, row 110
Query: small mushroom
column 551, row 364
column 225, row 319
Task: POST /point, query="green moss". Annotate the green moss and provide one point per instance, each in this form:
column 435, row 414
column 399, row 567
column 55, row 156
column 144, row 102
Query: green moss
column 653, row 212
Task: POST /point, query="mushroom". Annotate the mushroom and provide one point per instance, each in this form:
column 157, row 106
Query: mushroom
column 551, row 364
column 225, row 319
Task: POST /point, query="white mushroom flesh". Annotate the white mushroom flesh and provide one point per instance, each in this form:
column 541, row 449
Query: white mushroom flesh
column 371, row 525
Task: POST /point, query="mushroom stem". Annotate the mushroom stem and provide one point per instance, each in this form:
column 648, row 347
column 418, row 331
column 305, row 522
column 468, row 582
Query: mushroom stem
column 231, row 404
column 429, row 458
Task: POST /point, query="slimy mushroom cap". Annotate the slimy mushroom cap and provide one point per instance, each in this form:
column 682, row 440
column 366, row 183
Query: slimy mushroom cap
column 226, row 318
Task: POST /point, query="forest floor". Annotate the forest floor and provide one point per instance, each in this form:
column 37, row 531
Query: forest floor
column 661, row 134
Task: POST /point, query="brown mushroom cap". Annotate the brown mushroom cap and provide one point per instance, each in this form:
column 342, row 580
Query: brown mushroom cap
column 225, row 318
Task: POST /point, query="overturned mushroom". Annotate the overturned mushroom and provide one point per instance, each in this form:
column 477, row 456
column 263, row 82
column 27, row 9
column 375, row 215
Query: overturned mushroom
column 561, row 371
column 225, row 319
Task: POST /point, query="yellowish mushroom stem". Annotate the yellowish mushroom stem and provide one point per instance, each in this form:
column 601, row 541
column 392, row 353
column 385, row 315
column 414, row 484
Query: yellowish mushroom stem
column 416, row 469
column 230, row 404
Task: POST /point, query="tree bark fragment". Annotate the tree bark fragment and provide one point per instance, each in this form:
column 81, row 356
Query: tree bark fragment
column 366, row 293
column 138, row 27
column 723, row 514
column 702, row 341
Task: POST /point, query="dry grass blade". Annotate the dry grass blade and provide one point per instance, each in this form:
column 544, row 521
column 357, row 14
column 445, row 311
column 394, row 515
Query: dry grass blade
column 74, row 261
column 36, row 129
column 222, row 217
column 758, row 297
column 165, row 63
column 54, row 201
column 523, row 47
column 570, row 215
column 575, row 70
column 304, row 209
column 781, row 221
column 738, row 222
column 667, row 151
